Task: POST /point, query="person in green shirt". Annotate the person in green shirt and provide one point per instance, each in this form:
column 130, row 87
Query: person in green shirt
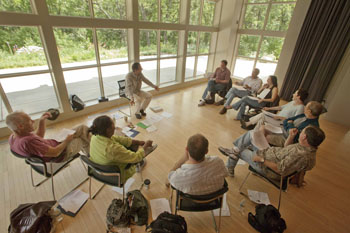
column 109, row 149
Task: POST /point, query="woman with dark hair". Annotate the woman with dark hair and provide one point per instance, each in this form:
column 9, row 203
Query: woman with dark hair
column 271, row 91
column 109, row 149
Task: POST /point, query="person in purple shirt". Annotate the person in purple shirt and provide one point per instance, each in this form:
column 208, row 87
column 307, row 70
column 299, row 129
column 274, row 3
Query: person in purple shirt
column 218, row 82
column 26, row 142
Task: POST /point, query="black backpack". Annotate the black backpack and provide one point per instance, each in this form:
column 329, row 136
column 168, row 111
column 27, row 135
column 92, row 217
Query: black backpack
column 168, row 223
column 76, row 103
column 267, row 219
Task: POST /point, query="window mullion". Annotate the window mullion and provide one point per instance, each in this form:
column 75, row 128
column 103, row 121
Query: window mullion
column 5, row 100
column 158, row 57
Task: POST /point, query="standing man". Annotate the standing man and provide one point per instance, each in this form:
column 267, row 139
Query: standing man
column 133, row 85
column 251, row 84
column 218, row 82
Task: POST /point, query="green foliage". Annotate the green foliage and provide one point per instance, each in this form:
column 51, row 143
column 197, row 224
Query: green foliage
column 195, row 11
column 16, row 6
column 170, row 10
column 68, row 7
column 280, row 16
column 248, row 45
column 110, row 9
column 254, row 16
column 168, row 42
column 204, row 42
column 148, row 10
column 208, row 13
column 271, row 48
column 192, row 42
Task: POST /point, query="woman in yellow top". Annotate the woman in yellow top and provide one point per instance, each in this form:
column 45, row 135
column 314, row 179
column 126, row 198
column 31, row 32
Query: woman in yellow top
column 108, row 149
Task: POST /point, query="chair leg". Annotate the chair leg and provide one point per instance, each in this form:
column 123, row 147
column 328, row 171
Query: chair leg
column 52, row 183
column 240, row 187
column 32, row 179
column 215, row 226
column 280, row 197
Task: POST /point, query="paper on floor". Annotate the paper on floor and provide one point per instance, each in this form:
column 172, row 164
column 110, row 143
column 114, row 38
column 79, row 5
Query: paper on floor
column 225, row 211
column 158, row 206
column 258, row 197
column 127, row 185
column 73, row 201
column 166, row 114
column 61, row 136
column 152, row 128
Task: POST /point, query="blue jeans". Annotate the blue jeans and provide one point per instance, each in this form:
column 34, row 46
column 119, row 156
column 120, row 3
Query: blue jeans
column 234, row 92
column 243, row 142
column 242, row 103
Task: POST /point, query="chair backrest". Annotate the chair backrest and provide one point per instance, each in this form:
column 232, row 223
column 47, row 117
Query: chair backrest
column 108, row 174
column 188, row 202
column 122, row 84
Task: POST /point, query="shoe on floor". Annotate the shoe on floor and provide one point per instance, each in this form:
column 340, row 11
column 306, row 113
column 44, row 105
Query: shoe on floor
column 150, row 149
column 143, row 112
column 229, row 152
column 138, row 115
column 231, row 172
column 221, row 102
column 201, row 103
column 209, row 101
column 223, row 111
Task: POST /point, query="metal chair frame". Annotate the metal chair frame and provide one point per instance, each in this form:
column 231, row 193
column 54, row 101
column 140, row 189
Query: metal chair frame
column 193, row 198
column 121, row 84
column 280, row 186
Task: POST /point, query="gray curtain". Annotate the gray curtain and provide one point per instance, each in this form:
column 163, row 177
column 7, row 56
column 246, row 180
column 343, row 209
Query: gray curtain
column 321, row 44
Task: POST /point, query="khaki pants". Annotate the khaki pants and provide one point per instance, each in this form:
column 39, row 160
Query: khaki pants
column 80, row 142
column 142, row 101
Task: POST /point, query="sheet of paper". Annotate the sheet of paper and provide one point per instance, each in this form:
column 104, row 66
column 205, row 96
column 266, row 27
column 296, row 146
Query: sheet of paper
column 73, row 200
column 158, row 206
column 264, row 93
column 152, row 128
column 140, row 124
column 273, row 121
column 259, row 139
column 166, row 114
column 241, row 88
column 126, row 129
column 258, row 197
column 146, row 122
column 61, row 136
column 273, row 129
column 156, row 108
column 225, row 211
column 124, row 230
column 154, row 118
column 117, row 116
column 127, row 185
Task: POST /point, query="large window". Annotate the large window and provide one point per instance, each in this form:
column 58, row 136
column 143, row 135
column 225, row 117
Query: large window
column 198, row 44
column 261, row 35
column 83, row 47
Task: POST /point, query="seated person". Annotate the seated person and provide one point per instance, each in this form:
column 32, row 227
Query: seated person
column 310, row 117
column 217, row 83
column 25, row 142
column 251, row 84
column 133, row 83
column 271, row 96
column 293, row 157
column 197, row 173
column 291, row 109
column 108, row 149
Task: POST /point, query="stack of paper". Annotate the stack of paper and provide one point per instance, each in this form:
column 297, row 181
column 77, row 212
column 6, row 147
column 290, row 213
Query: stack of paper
column 130, row 132
column 71, row 203
column 156, row 109
column 166, row 114
column 158, row 206
column 151, row 128
column 273, row 129
column 259, row 139
column 61, row 136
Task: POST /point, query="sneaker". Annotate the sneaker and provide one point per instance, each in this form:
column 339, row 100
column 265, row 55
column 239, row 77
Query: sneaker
column 229, row 152
column 231, row 172
column 143, row 112
column 138, row 115
column 201, row 103
column 223, row 111
column 245, row 126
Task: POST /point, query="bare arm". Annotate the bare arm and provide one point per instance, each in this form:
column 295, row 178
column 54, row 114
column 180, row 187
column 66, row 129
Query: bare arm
column 42, row 126
column 57, row 150
column 290, row 140
column 181, row 161
column 267, row 163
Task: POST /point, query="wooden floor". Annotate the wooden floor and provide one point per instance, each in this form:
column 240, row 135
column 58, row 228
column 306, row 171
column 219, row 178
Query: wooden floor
column 323, row 205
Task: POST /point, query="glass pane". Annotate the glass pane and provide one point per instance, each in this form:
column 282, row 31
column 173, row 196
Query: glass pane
column 254, row 16
column 148, row 10
column 284, row 0
column 112, row 45
column 192, row 42
column 208, row 13
column 202, row 65
column 243, row 67
column 83, row 83
column 31, row 94
column 195, row 11
column 248, row 45
column 3, row 110
column 168, row 43
column 279, row 18
column 148, row 44
column 167, row 70
column 266, row 69
column 110, row 9
column 150, row 70
column 68, row 7
column 21, row 50
column 271, row 48
column 170, row 10
column 204, row 42
column 111, row 75
column 15, row 6
column 189, row 67
column 75, row 46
